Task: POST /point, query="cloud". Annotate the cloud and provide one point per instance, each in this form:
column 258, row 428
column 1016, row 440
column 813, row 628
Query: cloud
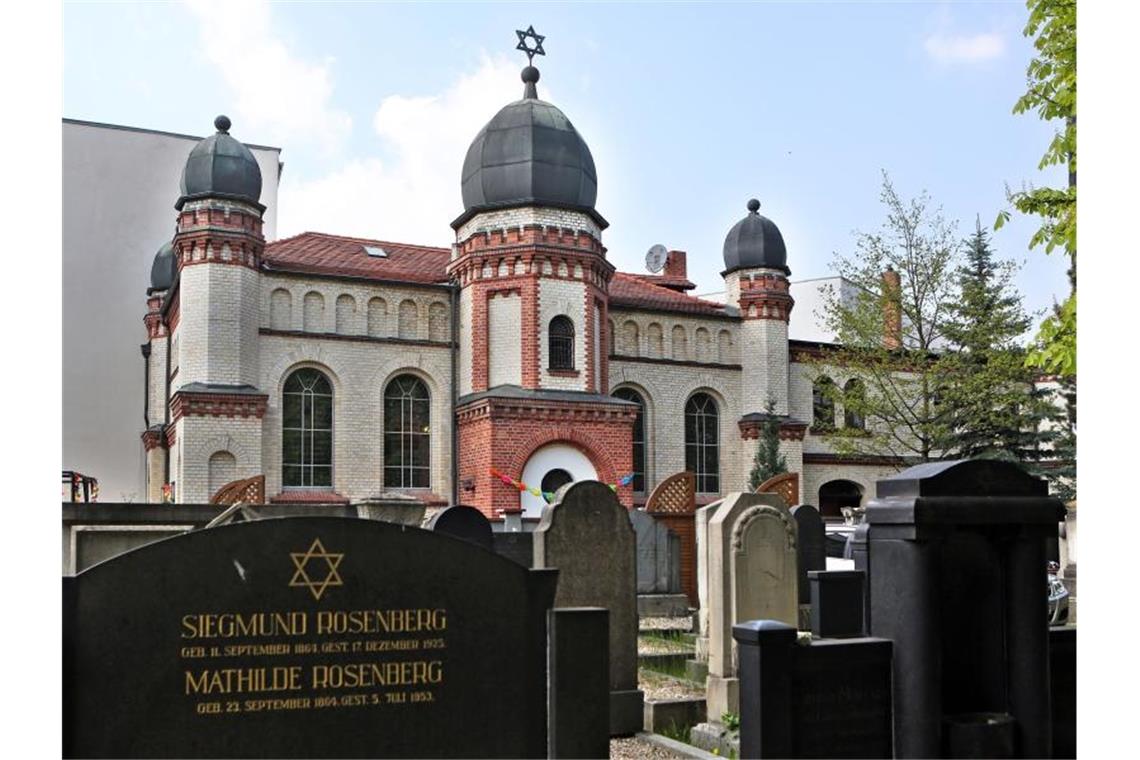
column 275, row 93
column 412, row 196
column 964, row 48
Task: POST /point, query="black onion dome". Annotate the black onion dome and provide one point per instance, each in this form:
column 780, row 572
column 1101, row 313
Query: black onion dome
column 221, row 167
column 163, row 269
column 755, row 241
column 529, row 154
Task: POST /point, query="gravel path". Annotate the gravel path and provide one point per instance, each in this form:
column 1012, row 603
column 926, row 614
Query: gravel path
column 658, row 686
column 631, row 748
column 666, row 623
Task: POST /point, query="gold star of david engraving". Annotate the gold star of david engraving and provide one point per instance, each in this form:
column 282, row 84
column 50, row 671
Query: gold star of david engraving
column 316, row 552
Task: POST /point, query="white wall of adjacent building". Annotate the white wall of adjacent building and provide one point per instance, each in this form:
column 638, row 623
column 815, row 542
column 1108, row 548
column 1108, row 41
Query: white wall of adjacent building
column 119, row 189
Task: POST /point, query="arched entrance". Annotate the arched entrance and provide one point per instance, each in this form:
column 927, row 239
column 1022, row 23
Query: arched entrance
column 554, row 464
column 836, row 494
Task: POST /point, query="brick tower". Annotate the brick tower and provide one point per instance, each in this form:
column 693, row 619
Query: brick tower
column 215, row 405
column 756, row 280
column 529, row 261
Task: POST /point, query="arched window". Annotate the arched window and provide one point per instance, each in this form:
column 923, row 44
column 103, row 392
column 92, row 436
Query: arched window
column 853, row 404
column 628, row 394
column 407, row 433
column 702, row 442
column 561, row 343
column 555, row 479
column 306, row 430
column 823, row 404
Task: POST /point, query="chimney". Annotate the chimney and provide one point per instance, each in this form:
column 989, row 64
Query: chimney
column 675, row 265
column 892, row 309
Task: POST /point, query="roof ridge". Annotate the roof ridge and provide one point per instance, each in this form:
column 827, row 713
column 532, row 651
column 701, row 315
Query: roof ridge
column 356, row 239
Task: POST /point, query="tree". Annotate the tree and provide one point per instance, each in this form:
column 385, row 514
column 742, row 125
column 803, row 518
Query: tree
column 891, row 332
column 768, row 462
column 1051, row 92
column 995, row 407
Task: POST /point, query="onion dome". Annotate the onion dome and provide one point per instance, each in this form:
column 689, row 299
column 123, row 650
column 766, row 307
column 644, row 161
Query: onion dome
column 163, row 269
column 529, row 154
column 755, row 241
column 221, row 167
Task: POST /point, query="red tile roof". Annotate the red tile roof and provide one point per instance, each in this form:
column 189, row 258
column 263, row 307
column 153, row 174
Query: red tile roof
column 338, row 255
column 318, row 253
column 632, row 290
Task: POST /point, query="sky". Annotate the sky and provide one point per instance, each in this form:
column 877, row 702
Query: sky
column 689, row 111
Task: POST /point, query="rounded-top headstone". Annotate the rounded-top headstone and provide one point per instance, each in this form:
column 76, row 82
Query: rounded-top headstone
column 465, row 523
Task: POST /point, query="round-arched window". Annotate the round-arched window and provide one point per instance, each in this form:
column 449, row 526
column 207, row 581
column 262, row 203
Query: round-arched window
column 306, row 430
column 561, row 343
column 628, row 394
column 702, row 442
column 555, row 479
column 407, row 433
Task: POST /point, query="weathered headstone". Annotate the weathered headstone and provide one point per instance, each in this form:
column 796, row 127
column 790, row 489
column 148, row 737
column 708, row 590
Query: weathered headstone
column 752, row 576
column 829, row 699
column 465, row 523
column 586, row 533
column 810, row 551
column 957, row 556
column 306, row 637
column 658, row 558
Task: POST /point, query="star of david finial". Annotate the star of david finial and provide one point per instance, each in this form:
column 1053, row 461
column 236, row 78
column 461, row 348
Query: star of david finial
column 316, row 552
column 531, row 52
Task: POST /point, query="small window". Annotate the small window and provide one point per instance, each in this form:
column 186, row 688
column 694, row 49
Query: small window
column 823, row 404
column 376, row 251
column 853, row 405
column 555, row 479
column 561, row 343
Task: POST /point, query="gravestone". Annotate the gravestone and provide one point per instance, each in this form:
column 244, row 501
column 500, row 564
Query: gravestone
column 697, row 669
column 829, row 699
column 957, row 554
column 465, row 523
column 658, row 555
column 810, row 552
column 587, row 535
column 306, row 637
column 752, row 576
column 837, row 603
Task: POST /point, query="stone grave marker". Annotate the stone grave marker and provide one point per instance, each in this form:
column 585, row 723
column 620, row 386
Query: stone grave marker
column 587, row 535
column 465, row 523
column 752, row 576
column 306, row 637
column 658, row 555
column 810, row 551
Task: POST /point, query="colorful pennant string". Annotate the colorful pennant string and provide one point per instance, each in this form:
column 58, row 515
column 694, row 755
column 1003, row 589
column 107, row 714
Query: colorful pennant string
column 548, row 496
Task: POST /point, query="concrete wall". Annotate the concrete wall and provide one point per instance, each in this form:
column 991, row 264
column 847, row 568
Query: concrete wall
column 119, row 189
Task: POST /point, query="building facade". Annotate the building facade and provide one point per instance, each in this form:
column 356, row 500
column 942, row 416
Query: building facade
column 345, row 369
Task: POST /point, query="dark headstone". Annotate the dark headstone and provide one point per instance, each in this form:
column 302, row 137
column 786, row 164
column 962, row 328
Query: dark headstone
column 579, row 663
column 830, row 699
column 810, row 551
column 463, row 522
column 517, row 546
column 586, row 534
column 837, row 603
column 959, row 559
column 306, row 637
column 1063, row 689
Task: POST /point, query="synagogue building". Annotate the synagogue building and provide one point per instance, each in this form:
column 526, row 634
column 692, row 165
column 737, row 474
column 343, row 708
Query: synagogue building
column 345, row 369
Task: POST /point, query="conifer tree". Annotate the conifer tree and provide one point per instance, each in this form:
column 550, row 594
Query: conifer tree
column 994, row 407
column 768, row 462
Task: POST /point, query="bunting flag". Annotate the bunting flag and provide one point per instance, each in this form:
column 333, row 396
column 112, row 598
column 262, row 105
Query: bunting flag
column 548, row 496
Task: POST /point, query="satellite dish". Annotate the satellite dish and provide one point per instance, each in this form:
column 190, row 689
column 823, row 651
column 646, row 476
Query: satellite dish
column 655, row 259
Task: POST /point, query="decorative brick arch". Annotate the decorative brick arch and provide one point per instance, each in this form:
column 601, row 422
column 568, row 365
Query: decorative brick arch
column 786, row 486
column 563, row 434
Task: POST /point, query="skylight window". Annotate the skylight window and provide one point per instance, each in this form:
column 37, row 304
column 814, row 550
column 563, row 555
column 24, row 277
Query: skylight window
column 375, row 250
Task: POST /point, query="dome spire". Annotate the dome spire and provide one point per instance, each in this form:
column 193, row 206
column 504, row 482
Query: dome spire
column 530, row 73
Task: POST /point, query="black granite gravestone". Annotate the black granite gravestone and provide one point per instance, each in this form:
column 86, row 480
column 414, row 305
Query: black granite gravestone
column 958, row 561
column 837, row 603
column 1063, row 689
column 463, row 522
column 517, row 546
column 579, row 693
column 306, row 637
column 829, row 699
column 811, row 553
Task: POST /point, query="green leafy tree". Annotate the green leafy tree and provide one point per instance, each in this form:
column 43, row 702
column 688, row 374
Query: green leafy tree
column 1051, row 93
column 768, row 462
column 890, row 335
column 995, row 407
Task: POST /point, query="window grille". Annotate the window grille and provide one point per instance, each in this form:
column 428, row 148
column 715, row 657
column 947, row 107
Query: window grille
column 702, row 442
column 306, row 430
column 561, row 343
column 407, row 433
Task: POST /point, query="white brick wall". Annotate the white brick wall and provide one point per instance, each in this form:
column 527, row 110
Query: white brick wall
column 518, row 217
column 359, row 372
column 218, row 305
column 201, row 437
column 764, row 357
column 504, row 350
column 818, row 474
column 647, row 323
column 156, row 399
column 567, row 298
